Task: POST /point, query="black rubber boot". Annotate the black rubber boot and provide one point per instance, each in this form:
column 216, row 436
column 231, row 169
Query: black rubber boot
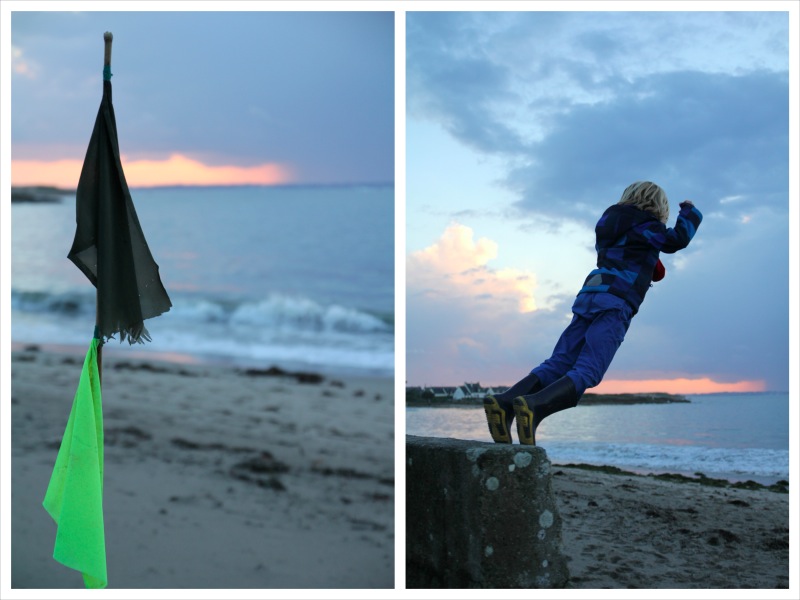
column 499, row 408
column 530, row 410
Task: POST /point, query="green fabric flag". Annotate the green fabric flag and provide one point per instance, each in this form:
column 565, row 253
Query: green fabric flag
column 74, row 496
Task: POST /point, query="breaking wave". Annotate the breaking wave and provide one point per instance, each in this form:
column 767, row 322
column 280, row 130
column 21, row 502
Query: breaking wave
column 278, row 328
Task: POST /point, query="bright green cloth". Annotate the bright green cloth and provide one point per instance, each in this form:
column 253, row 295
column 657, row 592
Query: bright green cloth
column 74, row 497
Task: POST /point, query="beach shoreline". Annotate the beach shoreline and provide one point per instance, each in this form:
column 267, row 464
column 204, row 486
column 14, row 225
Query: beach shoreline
column 731, row 481
column 708, row 438
column 214, row 477
column 138, row 353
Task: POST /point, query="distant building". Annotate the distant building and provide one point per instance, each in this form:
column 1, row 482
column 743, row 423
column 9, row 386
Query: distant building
column 471, row 391
column 441, row 393
column 468, row 391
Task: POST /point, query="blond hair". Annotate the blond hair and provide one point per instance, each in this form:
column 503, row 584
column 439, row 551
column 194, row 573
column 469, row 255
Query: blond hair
column 646, row 195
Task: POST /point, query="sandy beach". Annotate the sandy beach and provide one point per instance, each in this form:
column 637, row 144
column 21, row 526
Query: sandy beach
column 622, row 531
column 214, row 477
column 618, row 530
column 223, row 478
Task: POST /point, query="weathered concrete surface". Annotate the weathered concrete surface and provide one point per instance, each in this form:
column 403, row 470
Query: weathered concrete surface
column 480, row 515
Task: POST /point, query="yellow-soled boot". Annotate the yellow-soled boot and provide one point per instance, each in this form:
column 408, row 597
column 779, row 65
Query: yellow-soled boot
column 499, row 408
column 530, row 410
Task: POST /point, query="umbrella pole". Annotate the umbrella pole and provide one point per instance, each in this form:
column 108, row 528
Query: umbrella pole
column 108, row 38
column 98, row 335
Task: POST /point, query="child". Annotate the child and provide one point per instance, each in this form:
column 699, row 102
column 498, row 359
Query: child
column 630, row 235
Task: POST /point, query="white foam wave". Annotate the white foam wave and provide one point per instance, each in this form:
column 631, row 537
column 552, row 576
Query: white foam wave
column 277, row 329
column 282, row 312
column 745, row 462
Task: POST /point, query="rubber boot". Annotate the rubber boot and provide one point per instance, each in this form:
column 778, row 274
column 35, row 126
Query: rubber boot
column 530, row 410
column 499, row 408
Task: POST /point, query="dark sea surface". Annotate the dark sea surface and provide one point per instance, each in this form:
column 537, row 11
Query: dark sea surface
column 296, row 277
column 729, row 436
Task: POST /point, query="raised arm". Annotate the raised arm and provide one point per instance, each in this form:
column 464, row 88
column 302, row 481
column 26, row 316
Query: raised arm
column 671, row 240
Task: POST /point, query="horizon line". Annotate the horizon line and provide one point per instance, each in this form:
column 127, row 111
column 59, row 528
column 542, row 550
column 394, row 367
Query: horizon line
column 64, row 190
column 631, row 393
column 645, row 391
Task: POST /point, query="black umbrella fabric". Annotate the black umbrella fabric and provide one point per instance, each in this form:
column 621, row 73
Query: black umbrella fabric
column 109, row 245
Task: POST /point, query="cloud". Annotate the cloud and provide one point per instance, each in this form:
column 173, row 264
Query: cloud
column 555, row 60
column 455, row 268
column 702, row 136
column 579, row 105
column 677, row 386
column 456, row 251
column 174, row 170
column 322, row 83
column 717, row 323
column 468, row 321
column 22, row 66
column 575, row 106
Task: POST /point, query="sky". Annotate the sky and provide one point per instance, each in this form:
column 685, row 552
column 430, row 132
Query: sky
column 522, row 128
column 207, row 98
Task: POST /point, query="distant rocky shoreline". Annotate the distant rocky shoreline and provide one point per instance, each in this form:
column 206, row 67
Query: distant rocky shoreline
column 587, row 399
column 38, row 194
column 654, row 398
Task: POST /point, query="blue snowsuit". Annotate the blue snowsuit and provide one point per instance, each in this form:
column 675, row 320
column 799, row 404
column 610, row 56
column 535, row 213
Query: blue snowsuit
column 628, row 244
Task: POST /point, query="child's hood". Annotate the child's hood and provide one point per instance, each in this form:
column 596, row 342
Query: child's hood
column 617, row 221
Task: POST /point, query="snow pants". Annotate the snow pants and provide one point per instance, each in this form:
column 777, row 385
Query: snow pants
column 585, row 349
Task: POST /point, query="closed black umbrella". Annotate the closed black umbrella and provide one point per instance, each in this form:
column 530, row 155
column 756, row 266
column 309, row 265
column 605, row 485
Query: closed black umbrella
column 109, row 245
column 110, row 249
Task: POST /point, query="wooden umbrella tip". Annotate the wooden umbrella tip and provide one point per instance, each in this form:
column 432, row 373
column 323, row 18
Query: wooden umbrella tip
column 107, row 36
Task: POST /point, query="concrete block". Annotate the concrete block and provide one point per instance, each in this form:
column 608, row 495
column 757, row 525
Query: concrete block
column 480, row 515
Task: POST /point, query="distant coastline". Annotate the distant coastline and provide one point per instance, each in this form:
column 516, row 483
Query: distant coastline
column 38, row 194
column 652, row 398
column 44, row 194
column 587, row 399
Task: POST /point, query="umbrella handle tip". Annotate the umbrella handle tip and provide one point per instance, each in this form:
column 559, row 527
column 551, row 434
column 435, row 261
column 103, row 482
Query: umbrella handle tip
column 108, row 37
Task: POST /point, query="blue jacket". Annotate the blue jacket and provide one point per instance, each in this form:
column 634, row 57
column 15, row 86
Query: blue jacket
column 628, row 243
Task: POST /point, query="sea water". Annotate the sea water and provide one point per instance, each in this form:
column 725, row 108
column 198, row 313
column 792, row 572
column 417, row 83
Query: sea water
column 729, row 436
column 295, row 277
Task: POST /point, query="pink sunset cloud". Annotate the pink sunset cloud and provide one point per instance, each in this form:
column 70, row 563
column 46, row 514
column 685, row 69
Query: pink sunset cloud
column 175, row 170
column 456, row 266
column 680, row 385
